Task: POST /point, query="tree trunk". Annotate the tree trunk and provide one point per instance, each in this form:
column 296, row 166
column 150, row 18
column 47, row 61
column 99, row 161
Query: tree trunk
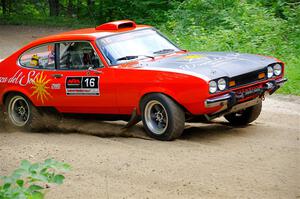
column 91, row 6
column 90, row 3
column 78, row 6
column 4, row 7
column 54, row 7
column 70, row 8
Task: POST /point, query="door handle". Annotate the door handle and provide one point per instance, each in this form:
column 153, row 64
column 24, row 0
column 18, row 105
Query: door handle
column 90, row 69
column 57, row 76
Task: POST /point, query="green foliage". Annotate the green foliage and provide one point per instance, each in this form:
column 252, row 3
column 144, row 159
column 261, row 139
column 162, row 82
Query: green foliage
column 29, row 180
column 231, row 25
column 91, row 11
column 46, row 21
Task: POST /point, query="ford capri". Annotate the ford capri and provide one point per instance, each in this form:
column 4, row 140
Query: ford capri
column 121, row 70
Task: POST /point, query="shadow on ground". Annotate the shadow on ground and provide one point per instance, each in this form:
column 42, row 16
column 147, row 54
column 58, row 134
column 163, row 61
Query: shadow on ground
column 192, row 132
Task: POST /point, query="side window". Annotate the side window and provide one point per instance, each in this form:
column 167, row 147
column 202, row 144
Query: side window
column 42, row 57
column 78, row 56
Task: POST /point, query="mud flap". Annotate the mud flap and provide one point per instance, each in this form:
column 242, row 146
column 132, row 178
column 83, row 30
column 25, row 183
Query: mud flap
column 134, row 119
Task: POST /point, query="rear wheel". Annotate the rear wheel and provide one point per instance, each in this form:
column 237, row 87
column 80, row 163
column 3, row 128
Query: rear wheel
column 162, row 118
column 244, row 117
column 21, row 114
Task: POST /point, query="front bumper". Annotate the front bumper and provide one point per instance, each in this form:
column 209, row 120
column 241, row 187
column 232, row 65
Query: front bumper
column 230, row 102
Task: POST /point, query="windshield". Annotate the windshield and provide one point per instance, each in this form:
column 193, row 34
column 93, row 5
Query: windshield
column 134, row 45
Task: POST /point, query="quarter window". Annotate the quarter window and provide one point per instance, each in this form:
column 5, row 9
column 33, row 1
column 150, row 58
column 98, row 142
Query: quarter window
column 78, row 56
column 42, row 57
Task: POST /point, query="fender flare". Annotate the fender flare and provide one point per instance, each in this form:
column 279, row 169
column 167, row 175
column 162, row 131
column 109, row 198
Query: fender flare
column 23, row 92
column 161, row 90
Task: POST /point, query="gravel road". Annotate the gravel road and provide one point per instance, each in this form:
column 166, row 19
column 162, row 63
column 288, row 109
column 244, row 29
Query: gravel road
column 214, row 160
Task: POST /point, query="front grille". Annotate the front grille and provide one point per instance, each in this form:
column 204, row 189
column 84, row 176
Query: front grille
column 248, row 77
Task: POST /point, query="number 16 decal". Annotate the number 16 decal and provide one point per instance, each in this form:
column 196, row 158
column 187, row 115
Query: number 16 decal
column 82, row 86
column 90, row 82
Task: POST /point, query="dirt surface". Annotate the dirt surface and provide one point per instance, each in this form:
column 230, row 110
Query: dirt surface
column 208, row 161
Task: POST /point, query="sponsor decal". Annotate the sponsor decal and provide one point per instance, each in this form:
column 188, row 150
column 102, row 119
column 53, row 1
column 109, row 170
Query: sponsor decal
column 38, row 80
column 74, row 81
column 55, row 86
column 20, row 78
column 193, row 57
column 40, row 87
column 3, row 79
column 82, row 86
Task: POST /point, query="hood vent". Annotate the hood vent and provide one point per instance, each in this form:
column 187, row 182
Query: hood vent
column 117, row 25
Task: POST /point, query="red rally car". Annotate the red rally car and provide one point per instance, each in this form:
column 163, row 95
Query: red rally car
column 121, row 70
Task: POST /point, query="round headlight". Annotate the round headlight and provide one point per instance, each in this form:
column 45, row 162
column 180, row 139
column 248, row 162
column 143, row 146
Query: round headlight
column 277, row 69
column 213, row 86
column 222, row 84
column 270, row 71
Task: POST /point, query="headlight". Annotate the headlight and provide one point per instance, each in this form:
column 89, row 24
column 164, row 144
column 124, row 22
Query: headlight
column 277, row 69
column 222, row 84
column 213, row 86
column 270, row 71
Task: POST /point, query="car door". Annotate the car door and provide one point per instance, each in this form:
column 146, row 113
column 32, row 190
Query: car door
column 84, row 85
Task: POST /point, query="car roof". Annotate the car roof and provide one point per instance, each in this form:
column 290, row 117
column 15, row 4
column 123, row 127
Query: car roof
column 107, row 29
column 88, row 34
column 92, row 32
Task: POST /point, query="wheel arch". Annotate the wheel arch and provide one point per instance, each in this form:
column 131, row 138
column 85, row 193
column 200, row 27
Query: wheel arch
column 160, row 92
column 11, row 92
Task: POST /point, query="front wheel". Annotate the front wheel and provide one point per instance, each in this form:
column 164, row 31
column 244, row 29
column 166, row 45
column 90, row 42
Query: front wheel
column 20, row 113
column 162, row 118
column 245, row 116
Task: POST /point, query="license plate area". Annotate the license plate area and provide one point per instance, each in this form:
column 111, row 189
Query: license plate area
column 248, row 92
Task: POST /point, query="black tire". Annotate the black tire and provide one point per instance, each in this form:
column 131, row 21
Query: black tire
column 161, row 111
column 15, row 106
column 244, row 117
column 2, row 120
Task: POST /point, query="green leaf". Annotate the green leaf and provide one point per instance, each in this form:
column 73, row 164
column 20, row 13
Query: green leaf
column 66, row 167
column 25, row 164
column 18, row 195
column 18, row 173
column 44, row 170
column 6, row 179
column 49, row 161
column 34, row 167
column 6, row 186
column 34, row 188
column 58, row 179
column 20, row 182
column 36, row 195
column 13, row 187
column 40, row 177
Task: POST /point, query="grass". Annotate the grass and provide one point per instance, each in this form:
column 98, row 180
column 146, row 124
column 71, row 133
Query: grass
column 293, row 75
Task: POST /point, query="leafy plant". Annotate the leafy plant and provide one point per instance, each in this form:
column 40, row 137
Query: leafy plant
column 259, row 27
column 30, row 180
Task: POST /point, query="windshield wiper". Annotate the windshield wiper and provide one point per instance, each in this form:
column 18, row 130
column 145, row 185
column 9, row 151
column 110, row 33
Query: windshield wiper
column 164, row 51
column 130, row 57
